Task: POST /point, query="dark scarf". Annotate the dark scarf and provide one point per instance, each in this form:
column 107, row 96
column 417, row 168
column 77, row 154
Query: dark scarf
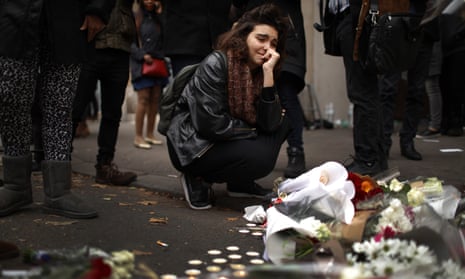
column 244, row 88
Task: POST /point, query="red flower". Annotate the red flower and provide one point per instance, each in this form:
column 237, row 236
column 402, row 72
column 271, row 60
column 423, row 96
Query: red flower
column 365, row 187
column 99, row 270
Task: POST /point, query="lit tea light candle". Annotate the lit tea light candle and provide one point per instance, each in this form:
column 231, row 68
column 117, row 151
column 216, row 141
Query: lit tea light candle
column 192, row 272
column 235, row 257
column 257, row 261
column 232, row 248
column 252, row 254
column 219, row 260
column 213, row 268
column 194, row 262
column 214, row 252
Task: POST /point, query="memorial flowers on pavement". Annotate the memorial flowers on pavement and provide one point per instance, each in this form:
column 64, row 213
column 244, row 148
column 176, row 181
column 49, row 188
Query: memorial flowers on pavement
column 401, row 259
column 303, row 214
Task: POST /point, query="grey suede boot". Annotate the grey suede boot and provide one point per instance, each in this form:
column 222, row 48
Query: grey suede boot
column 58, row 197
column 16, row 191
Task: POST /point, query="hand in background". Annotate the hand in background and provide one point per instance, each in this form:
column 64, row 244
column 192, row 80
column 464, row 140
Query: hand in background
column 93, row 24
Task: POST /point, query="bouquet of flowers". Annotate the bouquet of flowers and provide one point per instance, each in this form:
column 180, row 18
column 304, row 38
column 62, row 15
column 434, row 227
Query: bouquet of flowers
column 399, row 258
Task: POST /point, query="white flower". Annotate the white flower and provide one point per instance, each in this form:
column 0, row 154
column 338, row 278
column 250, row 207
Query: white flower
column 315, row 228
column 395, row 185
column 394, row 216
column 450, row 270
column 415, row 197
column 391, row 256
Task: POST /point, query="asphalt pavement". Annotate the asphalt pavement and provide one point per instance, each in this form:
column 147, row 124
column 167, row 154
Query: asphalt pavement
column 151, row 218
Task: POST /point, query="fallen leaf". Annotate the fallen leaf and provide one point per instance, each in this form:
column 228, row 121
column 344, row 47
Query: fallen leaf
column 55, row 223
column 163, row 220
column 148, row 202
column 141, row 253
column 124, row 204
column 101, row 186
column 231, row 219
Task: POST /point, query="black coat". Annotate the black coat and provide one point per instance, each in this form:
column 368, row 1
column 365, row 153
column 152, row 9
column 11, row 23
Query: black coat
column 192, row 27
column 21, row 27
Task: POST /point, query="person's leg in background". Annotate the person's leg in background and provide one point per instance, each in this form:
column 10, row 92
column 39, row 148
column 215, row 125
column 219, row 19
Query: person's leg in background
column 180, row 61
column 414, row 102
column 57, row 86
column 154, row 99
column 86, row 87
column 143, row 97
column 289, row 86
column 433, row 90
column 17, row 81
column 453, row 93
column 388, row 89
column 113, row 67
column 362, row 88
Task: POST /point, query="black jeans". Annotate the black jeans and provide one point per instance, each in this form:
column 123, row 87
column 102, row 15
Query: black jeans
column 414, row 101
column 289, row 86
column 237, row 162
column 362, row 89
column 111, row 67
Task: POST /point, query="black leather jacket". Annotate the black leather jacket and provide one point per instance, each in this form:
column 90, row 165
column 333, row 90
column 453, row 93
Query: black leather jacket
column 202, row 115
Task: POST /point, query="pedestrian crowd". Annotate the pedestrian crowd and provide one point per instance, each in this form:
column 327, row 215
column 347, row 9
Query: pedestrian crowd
column 234, row 114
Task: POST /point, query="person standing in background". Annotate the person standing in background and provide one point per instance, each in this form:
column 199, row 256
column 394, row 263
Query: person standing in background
column 416, row 78
column 362, row 91
column 291, row 79
column 108, row 61
column 433, row 90
column 148, row 46
column 452, row 29
column 50, row 36
column 192, row 28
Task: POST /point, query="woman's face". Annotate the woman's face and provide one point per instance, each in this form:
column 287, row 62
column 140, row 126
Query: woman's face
column 151, row 5
column 262, row 38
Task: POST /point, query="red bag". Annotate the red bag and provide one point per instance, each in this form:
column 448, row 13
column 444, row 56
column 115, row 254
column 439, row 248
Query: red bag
column 158, row 69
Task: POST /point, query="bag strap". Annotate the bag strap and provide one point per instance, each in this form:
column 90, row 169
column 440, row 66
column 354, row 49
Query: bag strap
column 358, row 30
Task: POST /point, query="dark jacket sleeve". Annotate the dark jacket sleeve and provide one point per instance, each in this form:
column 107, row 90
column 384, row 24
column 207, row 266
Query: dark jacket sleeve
column 269, row 111
column 208, row 103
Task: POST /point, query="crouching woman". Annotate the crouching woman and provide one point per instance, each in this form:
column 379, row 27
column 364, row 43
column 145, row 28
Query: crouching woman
column 228, row 125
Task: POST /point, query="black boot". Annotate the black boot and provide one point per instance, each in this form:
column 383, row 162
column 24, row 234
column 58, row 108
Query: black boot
column 296, row 162
column 58, row 197
column 16, row 191
column 408, row 151
column 8, row 250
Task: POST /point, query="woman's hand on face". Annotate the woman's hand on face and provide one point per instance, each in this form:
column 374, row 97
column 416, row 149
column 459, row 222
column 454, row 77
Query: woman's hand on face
column 271, row 58
column 148, row 58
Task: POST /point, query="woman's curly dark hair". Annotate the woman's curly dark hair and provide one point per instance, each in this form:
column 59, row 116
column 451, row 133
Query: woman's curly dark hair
column 236, row 38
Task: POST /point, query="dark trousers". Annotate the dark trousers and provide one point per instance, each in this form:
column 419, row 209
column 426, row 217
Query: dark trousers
column 237, row 162
column 414, row 101
column 111, row 67
column 289, row 86
column 453, row 90
column 180, row 61
column 362, row 89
